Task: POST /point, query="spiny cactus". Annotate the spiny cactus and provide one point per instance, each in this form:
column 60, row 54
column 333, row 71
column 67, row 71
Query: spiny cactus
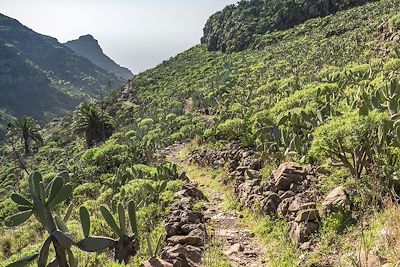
column 154, row 252
column 41, row 204
column 127, row 245
column 43, row 200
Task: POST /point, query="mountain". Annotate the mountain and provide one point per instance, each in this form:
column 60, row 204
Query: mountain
column 294, row 141
column 89, row 48
column 41, row 77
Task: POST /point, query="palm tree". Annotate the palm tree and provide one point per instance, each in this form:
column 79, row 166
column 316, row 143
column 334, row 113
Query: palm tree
column 92, row 121
column 28, row 129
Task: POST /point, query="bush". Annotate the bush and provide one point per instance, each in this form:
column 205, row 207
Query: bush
column 231, row 129
column 394, row 22
column 352, row 140
column 108, row 156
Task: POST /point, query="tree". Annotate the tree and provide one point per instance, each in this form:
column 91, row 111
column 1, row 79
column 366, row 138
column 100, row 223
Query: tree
column 28, row 130
column 94, row 123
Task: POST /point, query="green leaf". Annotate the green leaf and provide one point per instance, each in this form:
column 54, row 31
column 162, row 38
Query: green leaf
column 122, row 218
column 34, row 179
column 24, row 208
column 363, row 110
column 163, row 185
column 61, row 224
column 398, row 133
column 150, row 245
column 110, row 220
column 56, row 185
column 71, row 259
column 132, row 217
column 20, row 200
column 18, row 218
column 24, row 261
column 42, row 195
column 95, row 244
column 158, row 246
column 68, row 213
column 44, row 253
column 85, row 220
column 64, row 193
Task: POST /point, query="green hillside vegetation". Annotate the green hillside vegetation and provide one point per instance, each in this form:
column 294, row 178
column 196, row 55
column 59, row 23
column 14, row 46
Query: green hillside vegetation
column 325, row 91
column 236, row 27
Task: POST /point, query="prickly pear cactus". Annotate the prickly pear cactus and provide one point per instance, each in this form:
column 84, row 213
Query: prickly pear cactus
column 41, row 204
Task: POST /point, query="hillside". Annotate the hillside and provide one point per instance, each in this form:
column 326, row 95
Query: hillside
column 285, row 153
column 42, row 78
column 237, row 26
column 88, row 47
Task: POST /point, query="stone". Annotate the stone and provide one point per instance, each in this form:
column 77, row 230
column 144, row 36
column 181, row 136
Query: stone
column 172, row 229
column 308, row 205
column 156, row 263
column 188, row 255
column 335, row 200
column 300, row 232
column 283, row 207
column 270, row 203
column 186, row 240
column 235, row 248
column 287, row 194
column 307, row 215
column 295, row 205
column 187, row 228
column 198, row 233
column 287, row 174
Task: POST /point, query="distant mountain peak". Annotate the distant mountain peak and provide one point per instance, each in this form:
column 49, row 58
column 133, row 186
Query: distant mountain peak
column 88, row 47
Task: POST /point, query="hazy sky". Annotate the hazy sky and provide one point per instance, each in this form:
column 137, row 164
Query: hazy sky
column 137, row 34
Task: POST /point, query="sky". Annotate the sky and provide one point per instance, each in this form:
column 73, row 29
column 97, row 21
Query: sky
column 138, row 34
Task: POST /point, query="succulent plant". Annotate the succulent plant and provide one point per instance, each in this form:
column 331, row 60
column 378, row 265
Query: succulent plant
column 41, row 204
column 127, row 245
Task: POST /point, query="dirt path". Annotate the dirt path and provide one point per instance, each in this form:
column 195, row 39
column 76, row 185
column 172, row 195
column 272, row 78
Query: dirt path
column 226, row 229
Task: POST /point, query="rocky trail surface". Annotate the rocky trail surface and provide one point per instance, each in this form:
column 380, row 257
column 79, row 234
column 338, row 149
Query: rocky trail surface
column 226, row 229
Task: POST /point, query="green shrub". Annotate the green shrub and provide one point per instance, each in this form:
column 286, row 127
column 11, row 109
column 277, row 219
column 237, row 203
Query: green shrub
column 394, row 22
column 351, row 140
column 231, row 129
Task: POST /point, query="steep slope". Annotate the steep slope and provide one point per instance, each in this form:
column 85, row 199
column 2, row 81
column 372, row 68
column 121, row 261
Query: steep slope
column 88, row 47
column 237, row 26
column 41, row 77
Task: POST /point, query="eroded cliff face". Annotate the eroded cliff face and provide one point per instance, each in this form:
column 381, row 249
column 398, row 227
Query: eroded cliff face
column 88, row 47
column 236, row 27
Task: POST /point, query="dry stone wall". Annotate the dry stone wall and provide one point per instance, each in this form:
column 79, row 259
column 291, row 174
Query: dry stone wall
column 290, row 192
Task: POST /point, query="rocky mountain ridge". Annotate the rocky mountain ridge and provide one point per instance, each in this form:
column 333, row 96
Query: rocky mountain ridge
column 88, row 47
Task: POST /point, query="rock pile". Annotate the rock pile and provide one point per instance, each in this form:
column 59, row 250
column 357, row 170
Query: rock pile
column 185, row 230
column 289, row 193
